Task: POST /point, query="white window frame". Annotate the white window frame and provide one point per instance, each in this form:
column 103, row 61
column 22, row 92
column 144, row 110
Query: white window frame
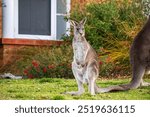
column 10, row 21
column 68, row 15
column 38, row 37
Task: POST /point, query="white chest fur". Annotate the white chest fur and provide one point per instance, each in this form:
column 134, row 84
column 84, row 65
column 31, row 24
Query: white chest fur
column 80, row 52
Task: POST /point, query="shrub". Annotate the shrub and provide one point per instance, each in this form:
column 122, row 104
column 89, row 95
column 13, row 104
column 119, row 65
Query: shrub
column 110, row 29
column 37, row 70
column 54, row 62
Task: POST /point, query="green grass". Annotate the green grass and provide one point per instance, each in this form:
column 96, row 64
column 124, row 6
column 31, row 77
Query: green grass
column 51, row 89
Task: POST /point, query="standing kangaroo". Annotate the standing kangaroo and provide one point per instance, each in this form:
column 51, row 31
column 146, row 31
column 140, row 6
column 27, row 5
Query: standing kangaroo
column 140, row 60
column 85, row 65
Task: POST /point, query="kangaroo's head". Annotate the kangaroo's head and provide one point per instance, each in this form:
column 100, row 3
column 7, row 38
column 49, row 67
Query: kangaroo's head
column 78, row 27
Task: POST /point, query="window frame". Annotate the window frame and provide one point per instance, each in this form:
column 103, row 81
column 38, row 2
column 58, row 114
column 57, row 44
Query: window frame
column 67, row 14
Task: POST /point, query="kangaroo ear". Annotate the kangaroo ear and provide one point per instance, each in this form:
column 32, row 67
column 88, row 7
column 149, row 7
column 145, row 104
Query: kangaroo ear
column 73, row 23
column 83, row 21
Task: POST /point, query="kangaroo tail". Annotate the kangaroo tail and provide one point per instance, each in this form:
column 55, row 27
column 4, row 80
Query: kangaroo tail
column 138, row 73
column 115, row 88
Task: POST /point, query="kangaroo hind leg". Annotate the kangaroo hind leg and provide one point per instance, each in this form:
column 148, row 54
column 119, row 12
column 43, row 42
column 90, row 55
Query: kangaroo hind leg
column 138, row 72
column 80, row 90
column 143, row 83
column 92, row 74
column 91, row 86
column 79, row 77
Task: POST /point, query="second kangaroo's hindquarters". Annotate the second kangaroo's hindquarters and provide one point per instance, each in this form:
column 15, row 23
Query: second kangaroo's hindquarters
column 140, row 56
column 139, row 59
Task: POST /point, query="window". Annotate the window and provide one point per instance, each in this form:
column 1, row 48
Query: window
column 40, row 19
column 34, row 17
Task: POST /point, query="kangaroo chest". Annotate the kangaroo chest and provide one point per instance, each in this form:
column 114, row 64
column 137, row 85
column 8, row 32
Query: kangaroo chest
column 80, row 52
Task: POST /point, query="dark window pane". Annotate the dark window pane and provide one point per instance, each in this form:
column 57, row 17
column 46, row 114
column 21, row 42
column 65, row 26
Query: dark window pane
column 35, row 17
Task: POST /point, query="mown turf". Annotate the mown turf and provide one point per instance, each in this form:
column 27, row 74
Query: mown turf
column 51, row 89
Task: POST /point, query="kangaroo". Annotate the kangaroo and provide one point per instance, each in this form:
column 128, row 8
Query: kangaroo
column 85, row 65
column 139, row 59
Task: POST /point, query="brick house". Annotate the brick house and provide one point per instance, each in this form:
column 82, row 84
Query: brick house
column 31, row 23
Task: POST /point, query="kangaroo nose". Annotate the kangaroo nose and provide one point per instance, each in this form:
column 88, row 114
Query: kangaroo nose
column 77, row 29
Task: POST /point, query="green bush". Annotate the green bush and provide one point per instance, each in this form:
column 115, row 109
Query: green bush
column 38, row 70
column 107, row 22
column 110, row 29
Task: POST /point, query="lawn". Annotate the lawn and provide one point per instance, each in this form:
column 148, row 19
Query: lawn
column 51, row 89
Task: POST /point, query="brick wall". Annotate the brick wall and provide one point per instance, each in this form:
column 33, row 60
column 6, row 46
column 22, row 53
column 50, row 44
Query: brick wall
column 82, row 3
column 10, row 53
column 85, row 1
column 1, row 55
column 91, row 1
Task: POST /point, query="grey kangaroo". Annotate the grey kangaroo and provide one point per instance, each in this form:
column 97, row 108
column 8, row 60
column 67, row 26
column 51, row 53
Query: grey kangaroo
column 85, row 65
column 140, row 60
